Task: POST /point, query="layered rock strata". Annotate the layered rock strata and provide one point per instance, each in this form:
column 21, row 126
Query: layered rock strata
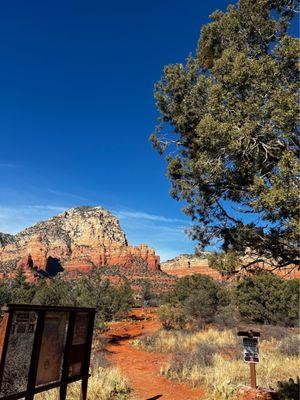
column 75, row 240
column 189, row 264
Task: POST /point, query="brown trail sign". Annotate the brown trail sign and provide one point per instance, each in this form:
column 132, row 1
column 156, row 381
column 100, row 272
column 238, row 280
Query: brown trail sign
column 251, row 352
column 42, row 348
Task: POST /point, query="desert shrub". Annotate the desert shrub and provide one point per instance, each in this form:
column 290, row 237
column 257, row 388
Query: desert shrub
column 291, row 301
column 183, row 364
column 17, row 289
column 192, row 284
column 172, row 317
column 269, row 332
column 88, row 290
column 262, row 298
column 54, row 292
column 289, row 390
column 111, row 301
column 104, row 384
column 98, row 354
column 5, row 293
column 259, row 299
column 148, row 297
column 226, row 317
column 196, row 298
column 290, row 346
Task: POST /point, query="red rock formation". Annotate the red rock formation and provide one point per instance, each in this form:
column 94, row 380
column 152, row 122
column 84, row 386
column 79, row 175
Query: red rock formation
column 248, row 393
column 76, row 240
column 187, row 264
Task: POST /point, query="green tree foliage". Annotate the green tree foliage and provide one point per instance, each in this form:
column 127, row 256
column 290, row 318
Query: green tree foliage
column 89, row 290
column 234, row 146
column 266, row 298
column 291, row 299
column 54, row 292
column 147, row 295
column 17, row 290
column 20, row 290
column 5, row 294
column 195, row 299
column 111, row 301
column 262, row 298
column 172, row 317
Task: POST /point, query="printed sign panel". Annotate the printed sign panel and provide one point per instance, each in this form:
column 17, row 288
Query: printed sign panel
column 18, row 356
column 37, row 341
column 78, row 348
column 52, row 348
column 251, row 351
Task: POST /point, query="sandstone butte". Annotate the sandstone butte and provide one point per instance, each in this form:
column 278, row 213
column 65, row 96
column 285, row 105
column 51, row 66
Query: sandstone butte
column 188, row 264
column 83, row 238
column 75, row 240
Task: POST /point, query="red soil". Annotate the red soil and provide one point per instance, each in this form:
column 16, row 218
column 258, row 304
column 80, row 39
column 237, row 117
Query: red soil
column 142, row 368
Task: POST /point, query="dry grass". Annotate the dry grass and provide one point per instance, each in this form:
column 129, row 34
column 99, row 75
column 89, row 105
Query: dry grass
column 278, row 360
column 170, row 341
column 105, row 384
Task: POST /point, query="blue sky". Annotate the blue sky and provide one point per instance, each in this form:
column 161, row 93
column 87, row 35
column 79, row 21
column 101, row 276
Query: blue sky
column 77, row 108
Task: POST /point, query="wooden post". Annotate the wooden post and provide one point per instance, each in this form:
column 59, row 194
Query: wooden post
column 85, row 369
column 65, row 366
column 84, row 387
column 252, row 375
column 37, row 342
column 5, row 332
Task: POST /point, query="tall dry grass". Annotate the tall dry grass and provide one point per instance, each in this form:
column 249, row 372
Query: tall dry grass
column 222, row 368
column 104, row 384
column 170, row 341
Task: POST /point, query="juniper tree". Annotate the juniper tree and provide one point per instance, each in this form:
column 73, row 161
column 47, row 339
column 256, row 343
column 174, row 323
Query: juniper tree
column 228, row 127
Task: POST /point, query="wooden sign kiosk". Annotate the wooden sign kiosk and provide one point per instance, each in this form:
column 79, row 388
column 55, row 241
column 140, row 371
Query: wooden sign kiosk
column 42, row 348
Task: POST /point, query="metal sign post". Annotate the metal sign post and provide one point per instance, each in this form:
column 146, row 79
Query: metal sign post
column 42, row 348
column 251, row 352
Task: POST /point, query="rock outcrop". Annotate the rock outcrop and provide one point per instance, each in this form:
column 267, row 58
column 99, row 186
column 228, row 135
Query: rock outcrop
column 189, row 264
column 5, row 239
column 75, row 240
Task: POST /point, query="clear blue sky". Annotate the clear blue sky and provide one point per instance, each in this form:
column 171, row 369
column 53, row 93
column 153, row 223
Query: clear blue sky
column 77, row 109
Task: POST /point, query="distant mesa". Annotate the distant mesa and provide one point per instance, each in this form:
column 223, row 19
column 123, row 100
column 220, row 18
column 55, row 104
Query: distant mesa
column 75, row 240
column 189, row 264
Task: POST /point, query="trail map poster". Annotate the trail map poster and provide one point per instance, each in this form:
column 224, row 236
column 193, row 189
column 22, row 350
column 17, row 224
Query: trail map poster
column 79, row 343
column 51, row 354
column 19, row 350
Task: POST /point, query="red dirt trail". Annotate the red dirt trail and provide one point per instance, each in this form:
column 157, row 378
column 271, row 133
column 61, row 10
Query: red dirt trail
column 142, row 368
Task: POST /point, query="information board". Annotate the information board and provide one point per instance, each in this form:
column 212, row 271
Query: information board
column 52, row 347
column 251, row 351
column 44, row 347
column 78, row 347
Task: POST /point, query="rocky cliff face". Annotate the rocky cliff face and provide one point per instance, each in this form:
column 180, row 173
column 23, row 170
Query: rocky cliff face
column 5, row 239
column 77, row 239
column 188, row 264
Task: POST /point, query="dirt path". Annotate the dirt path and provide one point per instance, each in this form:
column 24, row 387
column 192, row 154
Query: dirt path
column 142, row 368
